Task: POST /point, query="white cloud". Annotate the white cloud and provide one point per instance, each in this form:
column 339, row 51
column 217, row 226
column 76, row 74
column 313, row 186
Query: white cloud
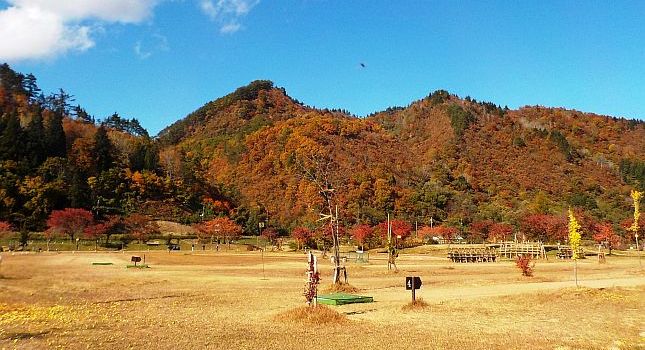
column 230, row 28
column 140, row 52
column 37, row 29
column 227, row 12
column 143, row 49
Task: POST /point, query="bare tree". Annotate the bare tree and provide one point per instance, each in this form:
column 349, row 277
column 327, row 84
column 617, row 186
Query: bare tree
column 321, row 170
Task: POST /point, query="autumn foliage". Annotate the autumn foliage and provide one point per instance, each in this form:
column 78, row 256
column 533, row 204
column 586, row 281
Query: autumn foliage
column 544, row 227
column 70, row 221
column 523, row 262
column 400, row 228
column 605, row 235
column 445, row 232
column 362, row 234
column 301, row 235
column 499, row 232
column 271, row 235
column 246, row 153
column 221, row 228
column 5, row 228
column 140, row 226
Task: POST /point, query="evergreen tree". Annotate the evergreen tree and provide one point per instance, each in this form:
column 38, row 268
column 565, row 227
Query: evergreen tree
column 78, row 194
column 10, row 80
column 145, row 156
column 55, row 137
column 60, row 102
column 151, row 159
column 82, row 115
column 103, row 150
column 31, row 87
column 34, row 150
column 11, row 139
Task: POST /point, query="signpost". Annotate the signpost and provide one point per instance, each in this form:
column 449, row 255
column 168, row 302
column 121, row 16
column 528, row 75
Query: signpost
column 260, row 227
column 413, row 283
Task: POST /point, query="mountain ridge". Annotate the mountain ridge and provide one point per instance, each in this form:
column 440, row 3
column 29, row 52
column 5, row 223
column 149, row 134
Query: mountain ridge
column 258, row 154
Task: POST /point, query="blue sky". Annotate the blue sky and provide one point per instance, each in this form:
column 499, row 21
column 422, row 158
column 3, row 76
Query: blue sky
column 158, row 60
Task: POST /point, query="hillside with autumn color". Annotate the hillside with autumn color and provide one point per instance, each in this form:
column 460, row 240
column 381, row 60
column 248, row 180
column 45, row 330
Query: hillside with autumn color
column 456, row 160
column 259, row 155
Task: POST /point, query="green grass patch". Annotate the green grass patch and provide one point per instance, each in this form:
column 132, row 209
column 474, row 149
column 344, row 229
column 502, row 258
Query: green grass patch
column 142, row 266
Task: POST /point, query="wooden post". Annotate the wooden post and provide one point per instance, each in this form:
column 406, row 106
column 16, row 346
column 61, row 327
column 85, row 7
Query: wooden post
column 575, row 270
column 389, row 243
column 638, row 251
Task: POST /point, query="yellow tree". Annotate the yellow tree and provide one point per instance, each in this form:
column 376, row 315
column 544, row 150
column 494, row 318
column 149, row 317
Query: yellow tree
column 574, row 242
column 636, row 196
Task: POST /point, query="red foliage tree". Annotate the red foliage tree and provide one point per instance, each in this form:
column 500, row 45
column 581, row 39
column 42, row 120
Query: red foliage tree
column 96, row 231
column 271, row 235
column 361, row 234
column 140, row 226
column 500, row 232
column 301, row 235
column 5, row 228
column 69, row 221
column 605, row 235
column 323, row 236
column 480, row 230
column 626, row 224
column 545, row 228
column 444, row 232
column 425, row 232
column 400, row 228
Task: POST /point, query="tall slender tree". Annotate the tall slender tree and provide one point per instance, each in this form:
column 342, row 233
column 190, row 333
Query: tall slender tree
column 103, row 150
column 55, row 136
column 574, row 242
column 11, row 139
column 35, row 142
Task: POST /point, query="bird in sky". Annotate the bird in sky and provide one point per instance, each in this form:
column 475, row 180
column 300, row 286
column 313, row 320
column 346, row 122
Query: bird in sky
column 362, row 65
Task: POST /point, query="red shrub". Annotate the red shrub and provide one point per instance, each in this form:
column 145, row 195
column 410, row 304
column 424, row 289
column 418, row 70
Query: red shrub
column 523, row 262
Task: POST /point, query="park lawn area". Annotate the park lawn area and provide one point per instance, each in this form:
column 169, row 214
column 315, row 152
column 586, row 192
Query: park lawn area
column 238, row 300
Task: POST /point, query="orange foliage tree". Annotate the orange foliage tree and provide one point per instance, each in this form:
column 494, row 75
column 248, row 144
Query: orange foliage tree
column 500, row 231
column 221, row 227
column 445, row 232
column 605, row 235
column 544, row 227
column 362, row 234
column 140, row 226
column 400, row 228
column 301, row 235
column 628, row 224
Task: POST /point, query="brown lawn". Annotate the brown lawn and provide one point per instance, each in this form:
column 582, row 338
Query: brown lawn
column 221, row 300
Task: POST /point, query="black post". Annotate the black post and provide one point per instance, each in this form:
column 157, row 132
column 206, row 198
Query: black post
column 414, row 287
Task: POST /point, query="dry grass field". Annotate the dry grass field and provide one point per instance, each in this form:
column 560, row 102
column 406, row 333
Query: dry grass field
column 222, row 300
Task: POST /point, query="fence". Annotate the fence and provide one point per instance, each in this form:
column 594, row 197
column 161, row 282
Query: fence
column 510, row 250
column 466, row 255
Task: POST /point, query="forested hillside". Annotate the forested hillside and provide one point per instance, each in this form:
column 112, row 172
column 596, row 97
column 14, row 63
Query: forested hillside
column 259, row 155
